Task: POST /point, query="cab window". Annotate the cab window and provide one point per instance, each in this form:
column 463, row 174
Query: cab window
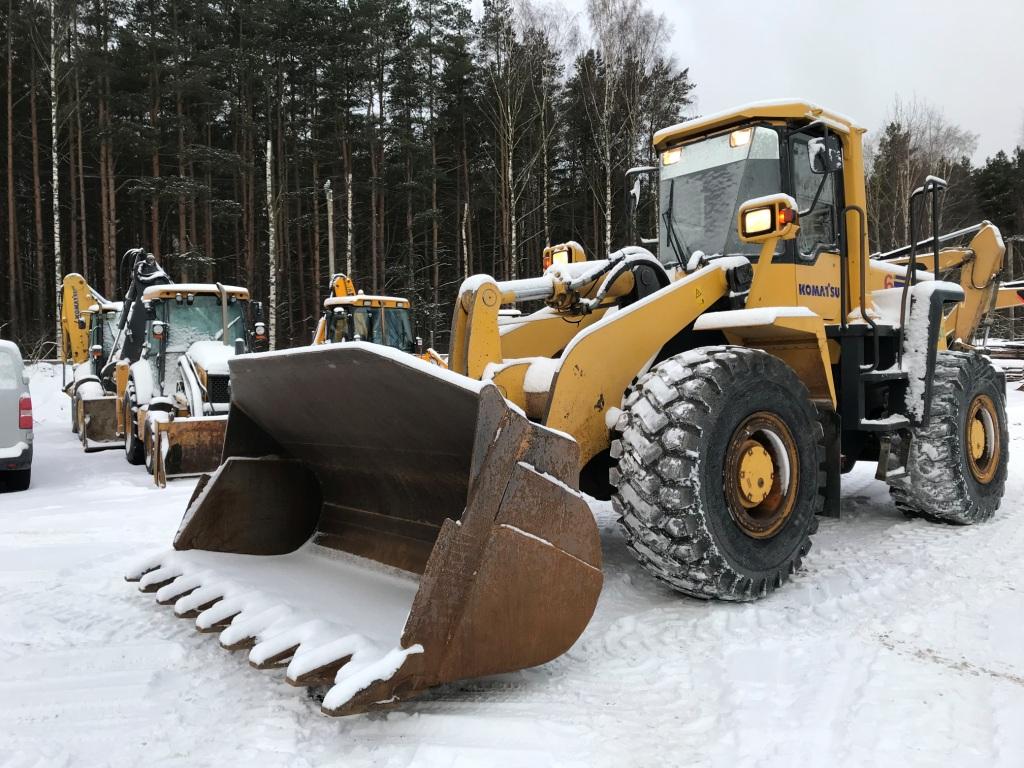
column 817, row 225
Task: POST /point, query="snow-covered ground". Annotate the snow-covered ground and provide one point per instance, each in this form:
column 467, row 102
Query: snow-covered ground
column 901, row 643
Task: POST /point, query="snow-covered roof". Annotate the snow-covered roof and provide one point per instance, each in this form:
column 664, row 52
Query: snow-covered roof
column 169, row 289
column 10, row 347
column 778, row 108
column 361, row 298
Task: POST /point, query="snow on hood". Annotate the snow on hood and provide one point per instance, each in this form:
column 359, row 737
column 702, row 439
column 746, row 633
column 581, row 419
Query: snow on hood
column 211, row 356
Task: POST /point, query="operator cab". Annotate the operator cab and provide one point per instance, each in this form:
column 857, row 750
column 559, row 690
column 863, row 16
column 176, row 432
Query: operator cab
column 381, row 320
column 702, row 183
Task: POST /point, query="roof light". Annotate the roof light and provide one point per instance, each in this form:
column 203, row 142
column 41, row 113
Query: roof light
column 740, row 138
column 671, row 156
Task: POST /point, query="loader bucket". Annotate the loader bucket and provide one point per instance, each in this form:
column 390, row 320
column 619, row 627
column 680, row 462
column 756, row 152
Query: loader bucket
column 184, row 446
column 98, row 420
column 382, row 525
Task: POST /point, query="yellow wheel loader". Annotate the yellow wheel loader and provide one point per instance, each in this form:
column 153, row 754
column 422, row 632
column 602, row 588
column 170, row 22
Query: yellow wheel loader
column 88, row 329
column 380, row 525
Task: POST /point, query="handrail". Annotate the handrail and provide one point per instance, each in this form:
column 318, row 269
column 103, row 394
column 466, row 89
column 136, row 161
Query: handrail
column 844, row 256
column 897, row 252
column 931, row 185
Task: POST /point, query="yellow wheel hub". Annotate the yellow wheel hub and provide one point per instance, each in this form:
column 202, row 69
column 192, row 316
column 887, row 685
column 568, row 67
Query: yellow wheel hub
column 977, row 438
column 756, row 474
column 984, row 447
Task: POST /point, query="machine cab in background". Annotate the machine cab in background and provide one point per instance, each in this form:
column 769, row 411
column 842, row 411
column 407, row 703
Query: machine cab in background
column 382, row 320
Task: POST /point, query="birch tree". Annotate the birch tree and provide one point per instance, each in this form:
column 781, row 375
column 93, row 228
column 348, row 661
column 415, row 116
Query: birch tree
column 56, row 38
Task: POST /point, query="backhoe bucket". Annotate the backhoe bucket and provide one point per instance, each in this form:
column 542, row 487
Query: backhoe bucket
column 98, row 422
column 184, row 446
column 382, row 525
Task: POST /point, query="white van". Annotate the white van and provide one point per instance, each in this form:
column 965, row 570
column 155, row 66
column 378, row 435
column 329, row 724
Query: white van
column 15, row 421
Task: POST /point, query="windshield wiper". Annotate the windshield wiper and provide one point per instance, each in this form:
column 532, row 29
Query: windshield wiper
column 220, row 334
column 672, row 238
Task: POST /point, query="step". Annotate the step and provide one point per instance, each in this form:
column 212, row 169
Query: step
column 885, row 424
column 890, row 374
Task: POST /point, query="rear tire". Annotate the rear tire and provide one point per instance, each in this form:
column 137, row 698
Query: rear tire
column 686, row 429
column 19, row 480
column 134, row 450
column 948, row 479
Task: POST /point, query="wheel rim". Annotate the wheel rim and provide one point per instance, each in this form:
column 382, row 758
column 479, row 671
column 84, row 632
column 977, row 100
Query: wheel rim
column 981, row 438
column 761, row 475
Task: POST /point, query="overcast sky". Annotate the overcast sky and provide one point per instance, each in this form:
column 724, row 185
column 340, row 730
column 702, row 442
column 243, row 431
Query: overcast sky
column 854, row 56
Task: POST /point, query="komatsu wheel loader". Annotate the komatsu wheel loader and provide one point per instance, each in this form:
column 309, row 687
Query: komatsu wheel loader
column 380, row 525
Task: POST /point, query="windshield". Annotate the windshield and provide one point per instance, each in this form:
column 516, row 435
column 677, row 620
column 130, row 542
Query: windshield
column 701, row 192
column 107, row 331
column 399, row 330
column 202, row 321
column 366, row 325
column 395, row 331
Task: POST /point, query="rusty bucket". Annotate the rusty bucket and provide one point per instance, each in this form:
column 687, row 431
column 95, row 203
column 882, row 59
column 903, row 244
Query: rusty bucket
column 380, row 525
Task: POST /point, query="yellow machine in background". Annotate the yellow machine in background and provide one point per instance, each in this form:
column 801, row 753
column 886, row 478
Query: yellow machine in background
column 351, row 315
column 89, row 327
column 157, row 377
column 715, row 391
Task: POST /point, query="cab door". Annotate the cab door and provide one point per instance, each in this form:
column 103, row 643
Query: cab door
column 815, row 251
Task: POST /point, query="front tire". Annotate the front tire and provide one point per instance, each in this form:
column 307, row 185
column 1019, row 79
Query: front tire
column 720, row 472
column 956, row 466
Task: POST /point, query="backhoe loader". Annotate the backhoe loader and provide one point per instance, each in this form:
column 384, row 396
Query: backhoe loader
column 351, row 315
column 95, row 404
column 88, row 328
column 381, row 526
column 159, row 382
column 175, row 398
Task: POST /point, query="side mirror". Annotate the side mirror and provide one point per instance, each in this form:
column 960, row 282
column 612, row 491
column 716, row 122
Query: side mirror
column 767, row 218
column 634, row 186
column 257, row 311
column 825, row 154
column 151, row 308
column 419, row 345
column 239, row 346
column 96, row 351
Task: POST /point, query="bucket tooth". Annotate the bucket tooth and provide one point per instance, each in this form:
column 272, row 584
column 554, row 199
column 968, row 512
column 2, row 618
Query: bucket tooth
column 177, row 589
column 197, row 601
column 158, row 578
column 247, row 628
column 218, row 616
column 325, row 674
column 318, row 664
